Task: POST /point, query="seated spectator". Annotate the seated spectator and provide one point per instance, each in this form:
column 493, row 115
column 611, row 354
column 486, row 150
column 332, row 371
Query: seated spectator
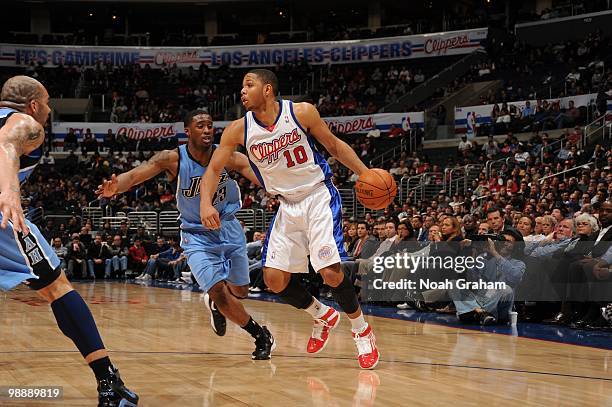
column 488, row 307
column 99, row 258
column 70, row 141
column 465, row 146
column 61, row 252
column 164, row 261
column 77, row 258
column 119, row 257
column 137, row 257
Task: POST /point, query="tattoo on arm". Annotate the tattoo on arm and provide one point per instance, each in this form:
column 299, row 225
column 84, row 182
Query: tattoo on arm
column 26, row 134
column 34, row 134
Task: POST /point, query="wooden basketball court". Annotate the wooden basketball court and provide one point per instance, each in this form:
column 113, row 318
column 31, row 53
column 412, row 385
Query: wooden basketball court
column 166, row 351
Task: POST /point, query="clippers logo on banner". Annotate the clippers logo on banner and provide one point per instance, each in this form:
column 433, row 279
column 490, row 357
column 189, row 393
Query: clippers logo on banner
column 246, row 56
column 140, row 131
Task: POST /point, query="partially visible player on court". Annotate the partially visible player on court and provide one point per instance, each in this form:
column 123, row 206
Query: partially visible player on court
column 217, row 259
column 277, row 136
column 25, row 255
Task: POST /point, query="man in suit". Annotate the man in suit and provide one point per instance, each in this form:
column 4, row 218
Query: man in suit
column 366, row 245
column 421, row 232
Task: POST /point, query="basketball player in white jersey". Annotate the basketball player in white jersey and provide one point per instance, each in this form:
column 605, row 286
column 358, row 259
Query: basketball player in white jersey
column 278, row 137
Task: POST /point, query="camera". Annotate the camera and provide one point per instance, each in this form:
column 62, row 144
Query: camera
column 486, row 236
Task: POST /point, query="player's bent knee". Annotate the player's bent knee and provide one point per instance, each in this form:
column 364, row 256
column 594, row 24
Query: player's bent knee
column 241, row 292
column 56, row 289
column 332, row 275
column 44, row 280
column 218, row 292
column 276, row 280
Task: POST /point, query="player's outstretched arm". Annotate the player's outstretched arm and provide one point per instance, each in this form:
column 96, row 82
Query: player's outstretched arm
column 239, row 162
column 232, row 137
column 166, row 160
column 309, row 117
column 20, row 135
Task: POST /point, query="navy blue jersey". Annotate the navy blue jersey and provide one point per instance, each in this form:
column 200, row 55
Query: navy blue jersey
column 226, row 199
column 27, row 162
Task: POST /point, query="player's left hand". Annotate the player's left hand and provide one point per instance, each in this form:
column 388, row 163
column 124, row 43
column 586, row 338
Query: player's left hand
column 210, row 217
column 108, row 188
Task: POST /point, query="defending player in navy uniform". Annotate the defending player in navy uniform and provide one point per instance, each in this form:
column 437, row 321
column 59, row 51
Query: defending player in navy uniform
column 25, row 256
column 217, row 259
column 278, row 137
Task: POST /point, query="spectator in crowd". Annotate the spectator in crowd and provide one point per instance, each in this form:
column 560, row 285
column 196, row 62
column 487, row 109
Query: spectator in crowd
column 61, row 251
column 488, row 307
column 137, row 258
column 77, row 258
column 119, row 257
column 99, row 258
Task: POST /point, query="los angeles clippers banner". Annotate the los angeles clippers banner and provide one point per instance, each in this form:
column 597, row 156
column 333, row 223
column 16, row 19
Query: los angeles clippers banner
column 336, row 52
column 141, row 131
column 468, row 118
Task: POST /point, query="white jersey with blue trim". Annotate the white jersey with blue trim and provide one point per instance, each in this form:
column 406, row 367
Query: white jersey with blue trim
column 27, row 162
column 284, row 157
column 227, row 200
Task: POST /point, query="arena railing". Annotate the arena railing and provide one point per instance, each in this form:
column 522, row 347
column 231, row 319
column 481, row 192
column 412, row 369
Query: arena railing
column 407, row 185
column 564, row 172
column 491, row 165
column 149, row 220
column 93, row 213
column 168, row 222
column 459, row 179
column 422, row 186
column 247, row 216
column 59, row 219
column 35, row 216
column 600, row 126
column 260, row 220
column 393, row 153
column 114, row 221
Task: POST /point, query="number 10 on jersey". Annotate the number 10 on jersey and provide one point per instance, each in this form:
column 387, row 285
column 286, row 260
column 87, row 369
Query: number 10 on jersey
column 300, row 156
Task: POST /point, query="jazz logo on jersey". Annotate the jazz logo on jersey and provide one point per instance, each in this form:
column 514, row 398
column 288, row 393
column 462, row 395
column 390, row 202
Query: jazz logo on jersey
column 271, row 150
column 194, row 185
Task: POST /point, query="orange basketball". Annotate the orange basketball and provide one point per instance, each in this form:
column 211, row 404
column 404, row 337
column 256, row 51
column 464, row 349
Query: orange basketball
column 375, row 188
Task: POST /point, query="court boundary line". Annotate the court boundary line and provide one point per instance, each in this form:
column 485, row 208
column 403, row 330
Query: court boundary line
column 404, row 362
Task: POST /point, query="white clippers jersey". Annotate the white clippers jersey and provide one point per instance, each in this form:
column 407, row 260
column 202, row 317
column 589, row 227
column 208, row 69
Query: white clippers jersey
column 284, row 159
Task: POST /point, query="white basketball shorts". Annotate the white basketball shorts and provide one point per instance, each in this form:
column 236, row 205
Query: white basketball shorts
column 311, row 226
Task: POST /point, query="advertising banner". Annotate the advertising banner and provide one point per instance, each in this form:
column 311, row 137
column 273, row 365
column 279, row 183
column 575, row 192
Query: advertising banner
column 139, row 131
column 250, row 56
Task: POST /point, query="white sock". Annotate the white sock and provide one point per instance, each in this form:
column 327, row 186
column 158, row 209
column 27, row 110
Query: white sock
column 358, row 324
column 316, row 309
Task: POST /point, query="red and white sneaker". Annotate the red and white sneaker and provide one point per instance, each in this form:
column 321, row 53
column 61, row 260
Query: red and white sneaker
column 320, row 331
column 366, row 348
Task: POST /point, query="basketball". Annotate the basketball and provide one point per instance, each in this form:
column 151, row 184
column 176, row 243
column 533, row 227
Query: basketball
column 375, row 188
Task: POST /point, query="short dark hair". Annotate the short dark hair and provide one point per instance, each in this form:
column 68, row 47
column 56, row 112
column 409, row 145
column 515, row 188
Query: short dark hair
column 502, row 213
column 189, row 117
column 267, row 77
column 20, row 90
